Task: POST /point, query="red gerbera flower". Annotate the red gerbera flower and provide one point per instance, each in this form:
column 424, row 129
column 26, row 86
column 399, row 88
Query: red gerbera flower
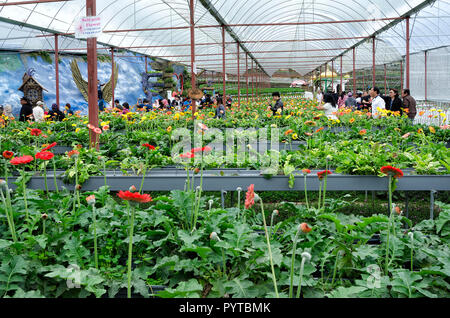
column 322, row 173
column 50, row 146
column 136, row 197
column 150, row 147
column 319, row 130
column 306, row 171
column 21, row 160
column 73, row 153
column 250, row 197
column 392, row 171
column 44, row 155
column 305, row 228
column 36, row 132
column 8, row 154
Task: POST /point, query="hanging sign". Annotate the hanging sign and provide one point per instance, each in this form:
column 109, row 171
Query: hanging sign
column 88, row 27
column 194, row 68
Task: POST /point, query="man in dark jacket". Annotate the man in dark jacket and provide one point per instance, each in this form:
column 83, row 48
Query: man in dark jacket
column 278, row 104
column 26, row 112
column 409, row 103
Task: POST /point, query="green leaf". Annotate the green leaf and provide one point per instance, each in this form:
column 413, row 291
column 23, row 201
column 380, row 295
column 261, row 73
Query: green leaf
column 347, row 292
column 202, row 251
column 189, row 289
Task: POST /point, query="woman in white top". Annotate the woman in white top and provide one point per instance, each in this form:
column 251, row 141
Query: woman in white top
column 8, row 111
column 38, row 112
column 319, row 96
column 329, row 107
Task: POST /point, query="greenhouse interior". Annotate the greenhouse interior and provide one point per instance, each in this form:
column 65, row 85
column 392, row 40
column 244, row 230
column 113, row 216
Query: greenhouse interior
column 224, row 149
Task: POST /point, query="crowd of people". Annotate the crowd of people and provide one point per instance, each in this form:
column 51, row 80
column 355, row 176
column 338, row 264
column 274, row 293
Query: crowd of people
column 330, row 103
column 370, row 101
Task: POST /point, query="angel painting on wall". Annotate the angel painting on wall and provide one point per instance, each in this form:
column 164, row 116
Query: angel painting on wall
column 105, row 93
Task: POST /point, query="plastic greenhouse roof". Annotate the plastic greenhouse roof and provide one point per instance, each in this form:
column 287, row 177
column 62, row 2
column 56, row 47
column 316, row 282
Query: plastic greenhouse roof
column 28, row 26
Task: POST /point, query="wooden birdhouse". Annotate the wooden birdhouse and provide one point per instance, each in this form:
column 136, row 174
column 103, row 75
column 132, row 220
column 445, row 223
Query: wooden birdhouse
column 32, row 89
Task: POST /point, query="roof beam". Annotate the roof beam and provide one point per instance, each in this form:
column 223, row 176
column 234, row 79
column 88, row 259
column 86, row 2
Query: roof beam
column 212, row 10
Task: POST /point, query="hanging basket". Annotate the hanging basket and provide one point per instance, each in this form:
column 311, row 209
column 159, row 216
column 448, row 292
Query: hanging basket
column 195, row 93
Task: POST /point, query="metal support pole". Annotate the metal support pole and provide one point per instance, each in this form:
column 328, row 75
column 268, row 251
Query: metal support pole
column 113, row 76
column 374, row 78
column 407, row 52
column 354, row 72
column 426, row 75
column 332, row 76
column 432, row 193
column 253, row 84
column 192, row 31
column 224, row 97
column 57, row 68
column 401, row 75
column 385, row 81
column 239, row 76
column 246, row 73
column 91, row 10
column 341, row 90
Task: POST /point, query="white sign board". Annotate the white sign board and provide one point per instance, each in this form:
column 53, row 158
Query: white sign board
column 88, row 27
column 194, row 69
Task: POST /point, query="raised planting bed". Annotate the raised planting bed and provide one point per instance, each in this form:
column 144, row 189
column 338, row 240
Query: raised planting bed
column 231, row 179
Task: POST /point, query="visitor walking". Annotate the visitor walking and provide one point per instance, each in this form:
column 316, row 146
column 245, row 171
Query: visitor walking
column 377, row 102
column 350, row 102
column 330, row 106
column 278, row 108
column 7, row 112
column 366, row 101
column 26, row 112
column 319, row 96
column 56, row 114
column 220, row 110
column 38, row 112
column 395, row 103
column 409, row 104
column 69, row 110
column 342, row 99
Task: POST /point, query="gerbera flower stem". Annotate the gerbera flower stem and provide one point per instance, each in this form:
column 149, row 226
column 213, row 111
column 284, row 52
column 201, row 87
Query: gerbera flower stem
column 320, row 193
column 294, row 248
column 24, row 189
column 299, row 288
column 54, row 175
column 45, row 176
column 9, row 216
column 389, row 226
column 130, row 247
column 94, row 223
column 6, row 171
column 270, row 251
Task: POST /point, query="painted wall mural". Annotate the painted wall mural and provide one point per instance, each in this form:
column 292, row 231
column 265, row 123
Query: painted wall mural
column 13, row 66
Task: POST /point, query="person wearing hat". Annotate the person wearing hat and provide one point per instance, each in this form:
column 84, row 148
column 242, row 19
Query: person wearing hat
column 350, row 102
column 26, row 112
column 56, row 114
column 38, row 112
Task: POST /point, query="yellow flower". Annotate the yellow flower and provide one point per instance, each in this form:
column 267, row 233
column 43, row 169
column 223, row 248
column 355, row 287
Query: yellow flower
column 294, row 136
column 433, row 110
column 288, row 116
column 74, row 125
column 432, row 130
column 86, row 122
column 420, row 131
column 211, row 114
column 169, row 129
column 397, row 129
column 105, row 124
column 352, row 120
column 77, row 130
column 65, row 119
column 443, row 115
